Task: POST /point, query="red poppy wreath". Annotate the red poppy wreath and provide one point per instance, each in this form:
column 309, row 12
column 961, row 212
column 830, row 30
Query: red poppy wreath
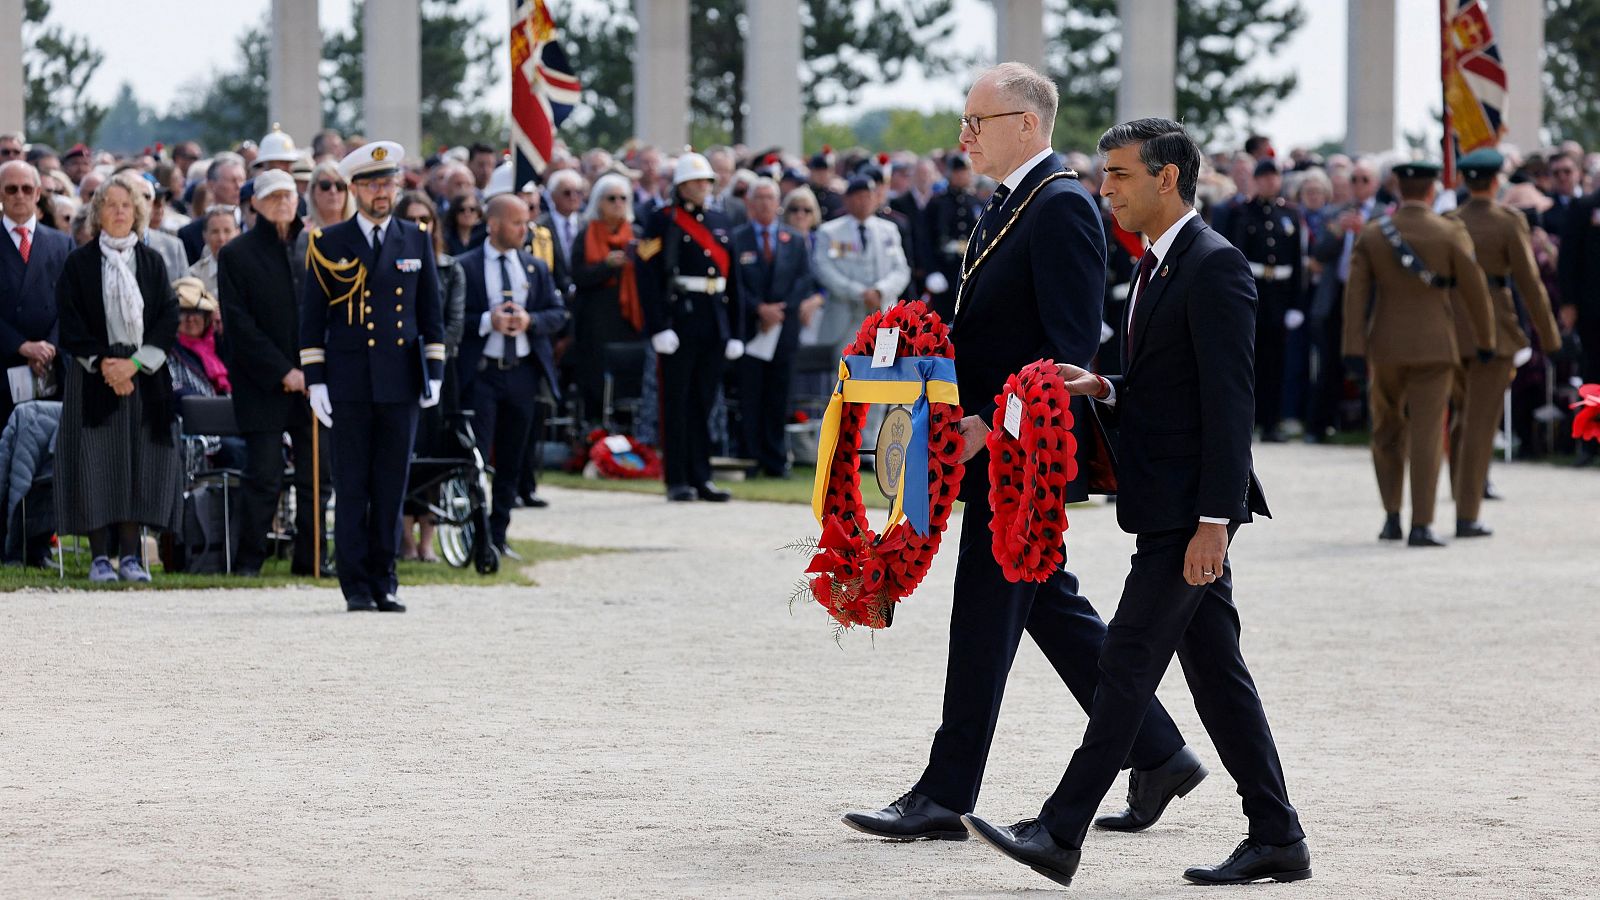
column 1586, row 424
column 620, row 457
column 856, row 575
column 1028, row 472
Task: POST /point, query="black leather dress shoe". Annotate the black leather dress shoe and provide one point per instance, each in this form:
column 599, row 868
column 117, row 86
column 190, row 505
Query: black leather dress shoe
column 1028, row 842
column 1465, row 529
column 911, row 818
column 1423, row 536
column 712, row 494
column 360, row 604
column 533, row 501
column 1255, row 861
column 1391, row 528
column 391, row 603
column 680, row 494
column 1150, row 791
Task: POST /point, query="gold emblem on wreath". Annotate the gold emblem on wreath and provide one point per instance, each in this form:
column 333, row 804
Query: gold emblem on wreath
column 889, row 460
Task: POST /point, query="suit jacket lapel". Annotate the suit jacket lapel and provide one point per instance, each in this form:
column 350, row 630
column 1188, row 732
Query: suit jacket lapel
column 392, row 238
column 1145, row 306
column 1049, row 166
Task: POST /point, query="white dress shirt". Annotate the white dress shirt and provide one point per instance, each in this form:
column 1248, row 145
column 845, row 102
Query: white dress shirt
column 495, row 346
column 367, row 225
column 28, row 226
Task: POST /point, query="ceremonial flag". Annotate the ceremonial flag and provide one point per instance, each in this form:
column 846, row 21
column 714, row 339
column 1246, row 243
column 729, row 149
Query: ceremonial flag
column 1474, row 79
column 543, row 89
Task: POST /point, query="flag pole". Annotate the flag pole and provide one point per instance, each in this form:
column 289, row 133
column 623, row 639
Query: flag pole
column 1446, row 63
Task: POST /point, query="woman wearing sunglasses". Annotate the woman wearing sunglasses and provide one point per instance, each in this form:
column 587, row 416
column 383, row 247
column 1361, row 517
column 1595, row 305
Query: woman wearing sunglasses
column 328, row 202
column 464, row 226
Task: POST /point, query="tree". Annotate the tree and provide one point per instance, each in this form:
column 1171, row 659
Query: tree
column 57, row 67
column 1572, row 71
column 845, row 46
column 1218, row 41
column 458, row 69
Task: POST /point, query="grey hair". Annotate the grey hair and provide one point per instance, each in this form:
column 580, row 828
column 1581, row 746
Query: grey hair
column 219, row 211
column 223, row 160
column 608, row 181
column 562, row 175
column 1162, row 143
column 764, row 183
column 17, row 165
column 1312, row 177
column 17, row 136
column 1030, row 88
column 141, row 206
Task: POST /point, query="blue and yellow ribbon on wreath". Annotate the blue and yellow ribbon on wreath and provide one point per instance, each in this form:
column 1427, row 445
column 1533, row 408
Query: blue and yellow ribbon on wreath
column 917, row 380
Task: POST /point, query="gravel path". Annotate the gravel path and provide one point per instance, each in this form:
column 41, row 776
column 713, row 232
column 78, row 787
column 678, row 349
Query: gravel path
column 655, row 722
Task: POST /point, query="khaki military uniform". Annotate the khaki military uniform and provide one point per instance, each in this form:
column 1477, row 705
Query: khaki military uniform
column 1406, row 329
column 1500, row 241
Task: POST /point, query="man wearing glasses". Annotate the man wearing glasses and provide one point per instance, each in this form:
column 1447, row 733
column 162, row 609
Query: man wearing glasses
column 12, row 146
column 30, row 263
column 371, row 350
column 1333, row 250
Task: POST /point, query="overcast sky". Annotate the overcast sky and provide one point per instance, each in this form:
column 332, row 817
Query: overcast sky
column 161, row 45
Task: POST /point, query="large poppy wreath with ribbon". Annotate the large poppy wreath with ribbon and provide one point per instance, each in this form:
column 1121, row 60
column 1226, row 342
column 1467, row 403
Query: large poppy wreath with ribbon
column 620, row 457
column 858, row 575
column 1586, row 424
column 1029, row 471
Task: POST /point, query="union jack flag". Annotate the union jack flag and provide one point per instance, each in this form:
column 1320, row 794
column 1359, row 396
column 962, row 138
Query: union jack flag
column 543, row 89
column 1474, row 78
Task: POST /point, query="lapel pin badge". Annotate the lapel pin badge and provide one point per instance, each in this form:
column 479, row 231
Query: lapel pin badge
column 1165, row 270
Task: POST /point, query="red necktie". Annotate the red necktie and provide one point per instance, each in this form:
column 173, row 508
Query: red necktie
column 1147, row 265
column 766, row 245
column 26, row 247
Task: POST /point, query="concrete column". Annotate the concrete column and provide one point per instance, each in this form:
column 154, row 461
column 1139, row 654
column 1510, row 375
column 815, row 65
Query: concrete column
column 1019, row 32
column 392, row 53
column 1369, row 77
column 772, row 75
column 12, row 83
column 295, row 97
column 1519, row 31
column 1149, row 59
column 661, row 74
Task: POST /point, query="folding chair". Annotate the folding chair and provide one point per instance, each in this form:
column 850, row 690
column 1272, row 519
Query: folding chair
column 213, row 416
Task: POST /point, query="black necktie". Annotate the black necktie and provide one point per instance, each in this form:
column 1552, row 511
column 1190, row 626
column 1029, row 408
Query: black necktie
column 507, row 295
column 1147, row 265
column 861, row 228
column 992, row 212
column 377, row 242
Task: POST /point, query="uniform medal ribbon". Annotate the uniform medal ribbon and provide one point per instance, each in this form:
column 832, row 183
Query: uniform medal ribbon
column 918, row 380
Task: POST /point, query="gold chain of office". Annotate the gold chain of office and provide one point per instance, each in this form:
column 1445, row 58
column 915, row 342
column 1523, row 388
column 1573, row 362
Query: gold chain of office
column 966, row 273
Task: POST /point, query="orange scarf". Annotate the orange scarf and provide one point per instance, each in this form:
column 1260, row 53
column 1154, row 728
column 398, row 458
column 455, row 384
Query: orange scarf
column 597, row 242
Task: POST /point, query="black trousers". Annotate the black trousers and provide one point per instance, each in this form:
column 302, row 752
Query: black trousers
column 1273, row 298
column 986, row 624
column 764, row 409
column 689, row 380
column 263, row 483
column 1327, row 338
column 528, row 480
column 371, row 462
column 1161, row 614
column 503, row 403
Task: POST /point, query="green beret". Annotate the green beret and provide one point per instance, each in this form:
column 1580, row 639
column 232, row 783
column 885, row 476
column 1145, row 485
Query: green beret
column 1485, row 163
column 1417, row 168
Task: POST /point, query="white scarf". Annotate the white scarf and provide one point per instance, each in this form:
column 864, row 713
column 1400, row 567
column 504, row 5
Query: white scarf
column 121, row 286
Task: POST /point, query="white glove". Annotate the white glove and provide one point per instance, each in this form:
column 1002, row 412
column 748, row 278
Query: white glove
column 665, row 342
column 937, row 283
column 321, row 406
column 1293, row 318
column 733, row 350
column 431, row 398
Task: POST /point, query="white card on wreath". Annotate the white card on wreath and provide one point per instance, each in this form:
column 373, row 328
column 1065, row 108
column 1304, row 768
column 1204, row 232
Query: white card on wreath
column 618, row 443
column 1014, row 416
column 883, row 351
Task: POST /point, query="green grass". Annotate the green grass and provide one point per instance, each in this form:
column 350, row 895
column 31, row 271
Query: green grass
column 794, row 489
column 276, row 573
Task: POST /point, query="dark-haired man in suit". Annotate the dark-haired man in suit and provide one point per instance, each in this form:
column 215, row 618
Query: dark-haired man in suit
column 30, row 264
column 1185, row 404
column 1032, row 290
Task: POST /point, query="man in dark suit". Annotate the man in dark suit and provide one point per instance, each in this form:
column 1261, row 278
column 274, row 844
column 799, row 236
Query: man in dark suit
column 512, row 309
column 1032, row 290
column 1580, row 286
column 259, row 282
column 30, row 264
column 369, row 365
column 224, row 179
column 773, row 269
column 1185, row 485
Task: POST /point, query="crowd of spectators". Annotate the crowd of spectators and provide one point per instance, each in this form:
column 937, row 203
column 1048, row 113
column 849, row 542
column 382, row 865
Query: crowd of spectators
column 145, row 314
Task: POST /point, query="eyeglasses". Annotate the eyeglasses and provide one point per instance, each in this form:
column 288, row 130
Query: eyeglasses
column 799, row 210
column 25, row 189
column 331, row 186
column 570, row 192
column 423, row 218
column 10, row 152
column 616, row 198
column 1360, row 179
column 975, row 123
column 463, row 210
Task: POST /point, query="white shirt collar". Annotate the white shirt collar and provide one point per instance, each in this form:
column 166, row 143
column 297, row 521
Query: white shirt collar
column 367, row 224
column 1164, row 243
column 31, row 224
column 1021, row 172
column 493, row 253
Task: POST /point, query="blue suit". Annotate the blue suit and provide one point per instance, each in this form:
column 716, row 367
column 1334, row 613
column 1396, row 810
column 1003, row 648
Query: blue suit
column 1037, row 294
column 28, row 296
column 371, row 329
column 764, row 385
column 503, row 394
